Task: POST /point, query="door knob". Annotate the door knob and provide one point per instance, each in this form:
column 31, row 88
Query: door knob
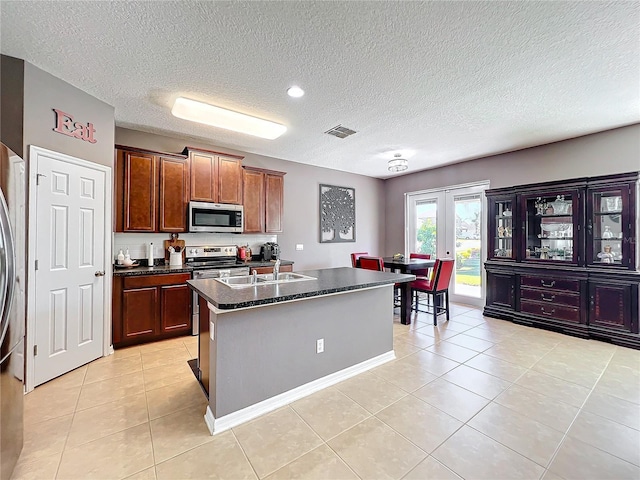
column 99, row 274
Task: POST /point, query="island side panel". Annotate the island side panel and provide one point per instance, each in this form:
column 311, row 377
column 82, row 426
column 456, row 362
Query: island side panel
column 204, row 344
column 261, row 352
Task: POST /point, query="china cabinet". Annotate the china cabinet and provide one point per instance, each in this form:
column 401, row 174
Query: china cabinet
column 562, row 255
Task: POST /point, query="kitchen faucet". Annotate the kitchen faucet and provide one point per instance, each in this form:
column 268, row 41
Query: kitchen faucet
column 276, row 269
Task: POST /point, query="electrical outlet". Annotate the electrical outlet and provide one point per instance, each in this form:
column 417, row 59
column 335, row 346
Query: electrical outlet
column 299, row 246
column 320, row 345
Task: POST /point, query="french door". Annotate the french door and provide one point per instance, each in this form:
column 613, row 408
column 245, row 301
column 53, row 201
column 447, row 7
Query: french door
column 449, row 223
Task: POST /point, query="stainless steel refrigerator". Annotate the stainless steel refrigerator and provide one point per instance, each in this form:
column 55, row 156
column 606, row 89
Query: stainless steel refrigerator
column 12, row 307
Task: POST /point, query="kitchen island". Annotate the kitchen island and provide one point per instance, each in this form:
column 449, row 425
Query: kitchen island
column 258, row 343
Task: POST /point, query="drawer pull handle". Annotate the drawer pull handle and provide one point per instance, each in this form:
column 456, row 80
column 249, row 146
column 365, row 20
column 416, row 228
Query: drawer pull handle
column 547, row 299
column 550, row 285
column 553, row 310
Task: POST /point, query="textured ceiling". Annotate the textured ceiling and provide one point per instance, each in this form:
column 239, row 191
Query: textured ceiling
column 438, row 81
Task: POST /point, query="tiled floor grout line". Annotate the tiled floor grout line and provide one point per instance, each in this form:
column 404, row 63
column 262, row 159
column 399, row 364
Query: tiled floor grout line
column 75, row 409
column 326, row 442
column 244, row 453
column 580, row 410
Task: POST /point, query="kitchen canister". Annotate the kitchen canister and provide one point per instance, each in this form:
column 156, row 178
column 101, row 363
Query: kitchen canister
column 175, row 259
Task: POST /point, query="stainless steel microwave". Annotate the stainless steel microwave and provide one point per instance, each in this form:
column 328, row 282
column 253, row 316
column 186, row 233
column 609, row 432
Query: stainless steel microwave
column 215, row 217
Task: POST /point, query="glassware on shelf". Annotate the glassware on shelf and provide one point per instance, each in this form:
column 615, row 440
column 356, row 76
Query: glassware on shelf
column 613, row 204
column 607, row 233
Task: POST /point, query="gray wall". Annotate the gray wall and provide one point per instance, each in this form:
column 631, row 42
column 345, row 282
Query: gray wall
column 42, row 93
column 613, row 151
column 261, row 352
column 11, row 95
column 301, row 202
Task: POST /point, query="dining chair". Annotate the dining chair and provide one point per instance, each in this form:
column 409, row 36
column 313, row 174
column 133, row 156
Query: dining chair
column 370, row 263
column 421, row 274
column 377, row 263
column 437, row 284
column 355, row 256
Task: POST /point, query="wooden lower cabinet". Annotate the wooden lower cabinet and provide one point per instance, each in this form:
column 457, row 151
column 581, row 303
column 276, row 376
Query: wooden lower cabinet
column 139, row 312
column 603, row 306
column 150, row 307
column 501, row 296
column 262, row 270
column 613, row 310
column 175, row 308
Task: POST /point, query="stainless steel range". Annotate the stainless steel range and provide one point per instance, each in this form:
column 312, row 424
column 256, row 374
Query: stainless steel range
column 212, row 261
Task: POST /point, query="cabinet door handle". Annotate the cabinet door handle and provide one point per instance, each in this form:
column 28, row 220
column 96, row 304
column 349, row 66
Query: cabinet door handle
column 547, row 299
column 553, row 310
column 550, row 285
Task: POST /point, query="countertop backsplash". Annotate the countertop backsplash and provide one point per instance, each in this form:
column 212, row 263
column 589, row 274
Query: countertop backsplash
column 137, row 242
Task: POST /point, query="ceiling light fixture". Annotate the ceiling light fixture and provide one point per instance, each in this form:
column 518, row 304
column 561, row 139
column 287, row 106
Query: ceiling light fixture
column 398, row 164
column 295, row 92
column 199, row 112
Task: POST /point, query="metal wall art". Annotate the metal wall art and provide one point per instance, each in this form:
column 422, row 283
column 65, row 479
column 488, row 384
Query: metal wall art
column 337, row 214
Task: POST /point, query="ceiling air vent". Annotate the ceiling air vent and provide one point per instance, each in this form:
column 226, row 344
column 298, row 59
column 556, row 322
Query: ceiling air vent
column 340, row 131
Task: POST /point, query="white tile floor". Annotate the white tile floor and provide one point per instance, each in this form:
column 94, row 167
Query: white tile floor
column 472, row 398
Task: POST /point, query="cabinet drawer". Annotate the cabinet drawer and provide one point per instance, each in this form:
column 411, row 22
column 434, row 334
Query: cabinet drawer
column 552, row 283
column 548, row 310
column 550, row 297
column 155, row 280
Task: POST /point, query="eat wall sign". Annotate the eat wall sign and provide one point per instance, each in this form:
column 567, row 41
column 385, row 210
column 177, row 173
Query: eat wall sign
column 66, row 126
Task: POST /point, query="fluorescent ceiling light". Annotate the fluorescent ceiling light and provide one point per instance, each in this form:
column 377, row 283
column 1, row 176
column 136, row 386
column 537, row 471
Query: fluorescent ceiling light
column 295, row 92
column 227, row 119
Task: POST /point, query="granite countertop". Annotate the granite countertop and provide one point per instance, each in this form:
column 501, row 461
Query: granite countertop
column 328, row 281
column 160, row 269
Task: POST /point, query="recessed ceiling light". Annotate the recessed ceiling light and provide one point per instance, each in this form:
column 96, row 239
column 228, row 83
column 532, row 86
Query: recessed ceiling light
column 295, row 92
column 222, row 118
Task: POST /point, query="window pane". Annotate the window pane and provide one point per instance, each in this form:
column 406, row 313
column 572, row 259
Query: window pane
column 468, row 211
column 425, row 241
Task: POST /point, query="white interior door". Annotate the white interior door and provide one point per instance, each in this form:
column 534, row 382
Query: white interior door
column 69, row 292
column 448, row 223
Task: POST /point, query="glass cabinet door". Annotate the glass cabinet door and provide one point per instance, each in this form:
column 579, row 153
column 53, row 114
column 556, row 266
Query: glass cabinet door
column 550, row 227
column 608, row 236
column 501, row 224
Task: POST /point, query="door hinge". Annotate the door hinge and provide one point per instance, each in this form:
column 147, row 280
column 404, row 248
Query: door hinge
column 35, row 350
column 36, row 264
column 38, row 175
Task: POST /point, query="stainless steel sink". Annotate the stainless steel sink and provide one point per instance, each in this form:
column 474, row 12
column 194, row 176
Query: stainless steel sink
column 265, row 279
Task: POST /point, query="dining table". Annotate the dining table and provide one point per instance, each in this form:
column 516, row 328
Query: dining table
column 407, row 265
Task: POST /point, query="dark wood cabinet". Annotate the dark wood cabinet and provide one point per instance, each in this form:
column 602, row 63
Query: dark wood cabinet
column 151, row 191
column 174, row 194
column 139, row 189
column 146, row 308
column 139, row 312
column 253, row 201
column 574, row 266
column 274, row 198
column 263, row 200
column 501, row 292
column 175, row 305
column 215, row 177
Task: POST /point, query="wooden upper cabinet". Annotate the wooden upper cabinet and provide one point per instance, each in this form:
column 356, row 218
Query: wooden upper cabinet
column 253, row 201
column 140, row 192
column 229, row 180
column 263, row 200
column 274, row 199
column 215, row 177
column 203, row 174
column 151, row 191
column 174, row 194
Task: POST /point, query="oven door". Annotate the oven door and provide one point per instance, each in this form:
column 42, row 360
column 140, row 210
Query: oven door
column 210, row 273
column 215, row 217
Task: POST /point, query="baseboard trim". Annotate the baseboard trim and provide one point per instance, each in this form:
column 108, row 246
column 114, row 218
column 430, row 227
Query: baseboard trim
column 218, row 425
